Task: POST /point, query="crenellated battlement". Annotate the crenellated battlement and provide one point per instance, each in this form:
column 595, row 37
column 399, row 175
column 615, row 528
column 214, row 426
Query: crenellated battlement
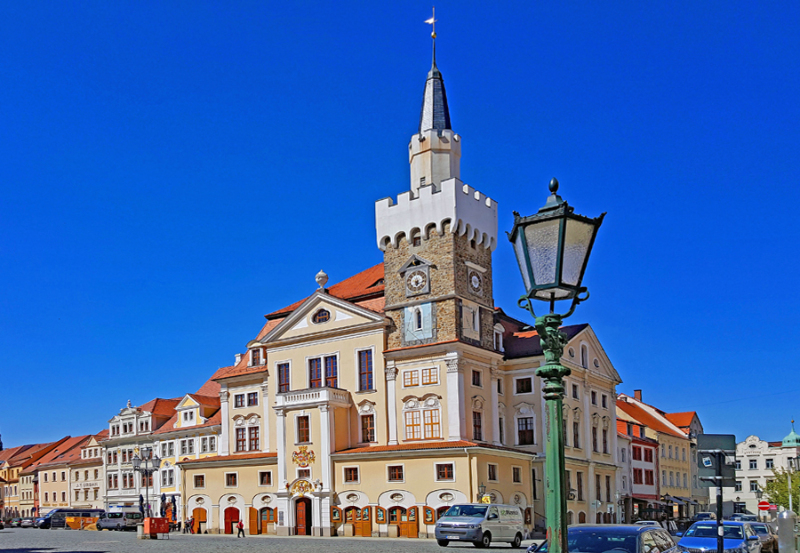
column 468, row 211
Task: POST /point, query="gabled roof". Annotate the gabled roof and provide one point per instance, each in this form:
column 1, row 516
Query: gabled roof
column 64, row 452
column 637, row 411
column 102, row 435
column 12, row 452
column 205, row 401
column 367, row 284
column 211, row 386
column 160, row 407
column 682, row 420
column 239, row 369
column 169, row 426
column 526, row 343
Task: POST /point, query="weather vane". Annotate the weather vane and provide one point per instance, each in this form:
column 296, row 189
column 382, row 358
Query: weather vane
column 432, row 23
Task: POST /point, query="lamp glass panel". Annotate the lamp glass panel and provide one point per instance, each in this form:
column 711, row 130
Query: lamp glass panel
column 519, row 250
column 576, row 243
column 542, row 241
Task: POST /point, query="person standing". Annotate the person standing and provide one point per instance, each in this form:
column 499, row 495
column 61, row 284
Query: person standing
column 240, row 526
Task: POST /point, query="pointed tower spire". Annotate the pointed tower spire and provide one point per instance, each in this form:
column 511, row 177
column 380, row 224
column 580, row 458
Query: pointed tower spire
column 434, row 114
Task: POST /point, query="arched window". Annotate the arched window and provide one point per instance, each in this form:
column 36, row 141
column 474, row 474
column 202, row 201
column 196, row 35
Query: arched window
column 584, row 357
column 321, row 316
column 418, row 318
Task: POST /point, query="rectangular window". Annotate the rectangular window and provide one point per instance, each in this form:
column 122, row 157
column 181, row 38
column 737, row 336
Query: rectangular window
column 525, row 434
column 738, row 463
column 331, row 372
column 410, row 378
column 770, row 463
column 576, row 442
column 395, row 473
column 184, row 449
column 579, row 485
column 253, row 437
column 212, row 443
column 256, row 356
column 516, row 475
column 199, row 481
column 238, row 400
column 597, row 491
column 231, row 480
column 491, row 472
column 604, row 401
column 476, row 379
column 63, row 496
column 637, row 453
column 524, row 385
column 574, row 391
column 605, row 440
column 637, row 476
column 594, row 397
column 283, row 377
column 351, row 474
column 315, row 373
column 608, row 489
column 171, row 449
column 533, row 483
column 594, row 438
column 191, row 445
column 754, row 486
column 431, row 419
column 430, row 376
column 444, row 472
column 738, row 486
column 753, row 464
column 502, row 424
column 648, row 455
column 303, row 429
column 500, row 386
column 265, row 478
column 648, row 478
column 252, row 399
column 365, row 381
column 241, row 439
column 203, row 445
column 367, row 428
column 413, row 425
column 477, row 425
column 304, row 473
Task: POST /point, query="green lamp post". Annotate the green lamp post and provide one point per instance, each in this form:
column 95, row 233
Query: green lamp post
column 552, row 248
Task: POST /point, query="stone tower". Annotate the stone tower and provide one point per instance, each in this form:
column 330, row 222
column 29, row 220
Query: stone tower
column 438, row 240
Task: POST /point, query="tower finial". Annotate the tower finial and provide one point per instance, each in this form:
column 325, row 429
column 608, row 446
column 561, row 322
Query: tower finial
column 432, row 23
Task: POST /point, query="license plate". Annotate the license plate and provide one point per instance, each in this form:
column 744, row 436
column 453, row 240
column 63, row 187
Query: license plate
column 453, row 537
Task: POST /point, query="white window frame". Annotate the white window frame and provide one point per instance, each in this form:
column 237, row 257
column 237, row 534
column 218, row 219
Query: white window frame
column 358, row 472
column 520, row 475
column 297, row 428
column 357, row 372
column 260, row 485
column 225, row 480
column 321, row 358
column 436, row 471
column 516, row 429
column 411, row 371
column 480, row 377
column 396, row 481
column 244, row 400
column 194, row 482
column 277, row 374
column 361, row 416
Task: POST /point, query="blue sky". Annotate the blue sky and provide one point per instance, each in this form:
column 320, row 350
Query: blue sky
column 172, row 171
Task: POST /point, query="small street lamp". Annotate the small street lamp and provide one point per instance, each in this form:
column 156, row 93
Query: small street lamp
column 146, row 466
column 552, row 248
column 481, row 491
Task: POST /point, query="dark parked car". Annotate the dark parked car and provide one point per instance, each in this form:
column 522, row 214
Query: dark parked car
column 704, row 516
column 768, row 537
column 621, row 538
column 15, row 522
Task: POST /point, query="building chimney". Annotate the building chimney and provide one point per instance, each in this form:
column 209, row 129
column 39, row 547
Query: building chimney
column 638, row 395
column 239, row 358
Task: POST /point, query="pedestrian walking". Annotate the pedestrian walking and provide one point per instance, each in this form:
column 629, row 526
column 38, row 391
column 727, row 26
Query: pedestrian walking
column 240, row 526
column 191, row 525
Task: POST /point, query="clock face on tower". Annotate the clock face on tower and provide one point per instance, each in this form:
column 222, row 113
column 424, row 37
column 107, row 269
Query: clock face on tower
column 416, row 281
column 475, row 282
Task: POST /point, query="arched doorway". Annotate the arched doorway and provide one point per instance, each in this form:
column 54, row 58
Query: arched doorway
column 361, row 520
column 266, row 516
column 570, row 517
column 231, row 518
column 581, row 517
column 199, row 515
column 599, row 518
column 302, row 516
column 406, row 519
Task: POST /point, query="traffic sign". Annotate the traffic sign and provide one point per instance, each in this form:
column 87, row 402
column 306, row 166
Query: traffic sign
column 773, row 507
column 763, row 505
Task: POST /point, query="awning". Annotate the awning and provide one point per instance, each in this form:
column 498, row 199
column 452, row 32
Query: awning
column 673, row 500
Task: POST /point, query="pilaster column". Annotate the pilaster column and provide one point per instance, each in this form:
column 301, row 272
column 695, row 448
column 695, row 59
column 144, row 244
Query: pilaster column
column 496, row 374
column 391, row 399
column 265, row 420
column 280, row 425
column 325, row 437
column 455, row 399
column 224, row 445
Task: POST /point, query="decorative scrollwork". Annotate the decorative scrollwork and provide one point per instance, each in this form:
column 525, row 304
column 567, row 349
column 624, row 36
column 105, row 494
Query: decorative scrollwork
column 303, row 457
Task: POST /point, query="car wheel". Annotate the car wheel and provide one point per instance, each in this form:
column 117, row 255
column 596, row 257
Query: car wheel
column 486, row 541
column 443, row 543
column 517, row 541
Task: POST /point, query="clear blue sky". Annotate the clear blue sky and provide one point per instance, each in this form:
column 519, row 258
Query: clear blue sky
column 172, row 171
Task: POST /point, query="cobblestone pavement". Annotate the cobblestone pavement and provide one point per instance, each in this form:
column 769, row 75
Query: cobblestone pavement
column 31, row 540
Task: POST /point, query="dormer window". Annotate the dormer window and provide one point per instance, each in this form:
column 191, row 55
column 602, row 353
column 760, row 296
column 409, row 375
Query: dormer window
column 321, row 316
column 255, row 357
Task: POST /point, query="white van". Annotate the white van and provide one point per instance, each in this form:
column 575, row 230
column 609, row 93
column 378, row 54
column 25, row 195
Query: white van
column 481, row 523
column 120, row 518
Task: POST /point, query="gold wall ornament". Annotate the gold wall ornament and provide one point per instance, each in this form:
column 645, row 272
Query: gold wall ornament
column 301, row 487
column 303, row 457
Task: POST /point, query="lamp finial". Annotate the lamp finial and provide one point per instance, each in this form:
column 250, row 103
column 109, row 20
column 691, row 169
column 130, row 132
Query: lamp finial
column 553, row 185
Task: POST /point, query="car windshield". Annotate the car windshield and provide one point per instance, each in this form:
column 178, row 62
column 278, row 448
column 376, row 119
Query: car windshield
column 710, row 531
column 760, row 529
column 586, row 540
column 466, row 511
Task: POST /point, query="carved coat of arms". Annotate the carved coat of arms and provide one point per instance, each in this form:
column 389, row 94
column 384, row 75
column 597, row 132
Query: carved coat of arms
column 303, row 457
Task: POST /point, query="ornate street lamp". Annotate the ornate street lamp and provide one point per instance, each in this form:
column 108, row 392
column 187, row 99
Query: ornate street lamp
column 146, row 466
column 481, row 491
column 552, row 248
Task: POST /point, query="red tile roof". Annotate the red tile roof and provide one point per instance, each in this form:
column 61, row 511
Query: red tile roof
column 363, row 285
column 207, row 401
column 642, row 416
column 211, row 386
column 160, row 407
column 226, row 458
column 63, row 453
column 239, row 369
column 102, row 435
column 169, row 426
column 681, row 419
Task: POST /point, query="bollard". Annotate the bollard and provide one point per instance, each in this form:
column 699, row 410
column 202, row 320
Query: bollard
column 786, row 540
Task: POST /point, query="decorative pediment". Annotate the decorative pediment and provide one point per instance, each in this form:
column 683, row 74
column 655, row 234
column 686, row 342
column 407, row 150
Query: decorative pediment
column 413, row 262
column 477, row 403
column 576, row 414
column 428, row 401
column 598, row 362
column 606, row 422
column 525, row 409
column 595, row 419
column 366, row 407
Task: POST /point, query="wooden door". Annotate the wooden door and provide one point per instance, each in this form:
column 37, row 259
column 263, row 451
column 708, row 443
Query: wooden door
column 399, row 516
column 267, row 517
column 302, row 516
column 231, row 518
column 254, row 529
column 365, row 526
column 199, row 515
column 412, row 530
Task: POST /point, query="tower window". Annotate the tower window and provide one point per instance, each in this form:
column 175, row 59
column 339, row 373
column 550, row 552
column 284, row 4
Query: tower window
column 416, row 241
column 422, row 181
column 418, row 318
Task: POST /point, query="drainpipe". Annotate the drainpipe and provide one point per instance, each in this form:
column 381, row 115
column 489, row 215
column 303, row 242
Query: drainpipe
column 469, row 466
